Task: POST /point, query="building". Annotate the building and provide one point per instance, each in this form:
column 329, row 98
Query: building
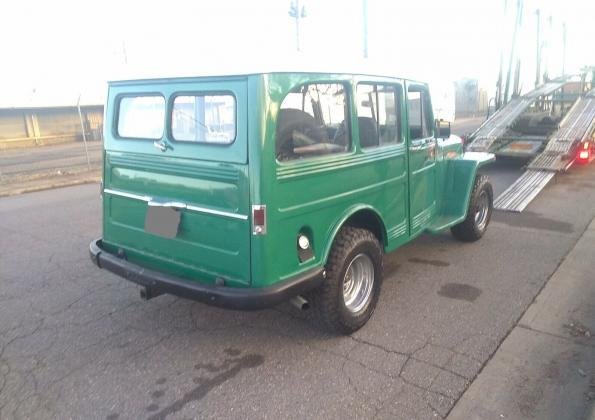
column 30, row 126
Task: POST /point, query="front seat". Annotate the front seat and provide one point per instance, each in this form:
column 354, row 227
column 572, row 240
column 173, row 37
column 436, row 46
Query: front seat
column 368, row 135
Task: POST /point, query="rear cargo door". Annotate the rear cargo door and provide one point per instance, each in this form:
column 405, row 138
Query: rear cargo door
column 176, row 191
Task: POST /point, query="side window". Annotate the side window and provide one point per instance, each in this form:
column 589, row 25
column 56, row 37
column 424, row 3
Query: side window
column 378, row 112
column 204, row 118
column 141, row 117
column 418, row 109
column 313, row 120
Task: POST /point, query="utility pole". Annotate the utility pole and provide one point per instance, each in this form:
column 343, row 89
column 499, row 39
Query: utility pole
column 498, row 102
column 365, row 13
column 297, row 12
column 519, row 8
column 538, row 64
column 563, row 48
column 517, row 71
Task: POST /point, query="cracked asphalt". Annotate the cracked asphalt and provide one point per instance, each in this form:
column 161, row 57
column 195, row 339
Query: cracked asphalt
column 77, row 342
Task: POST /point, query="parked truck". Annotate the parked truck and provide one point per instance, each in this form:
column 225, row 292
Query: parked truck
column 244, row 191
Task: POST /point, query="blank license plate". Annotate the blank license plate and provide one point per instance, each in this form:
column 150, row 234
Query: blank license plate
column 162, row 221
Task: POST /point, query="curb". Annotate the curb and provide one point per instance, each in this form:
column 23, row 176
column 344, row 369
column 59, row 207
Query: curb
column 61, row 184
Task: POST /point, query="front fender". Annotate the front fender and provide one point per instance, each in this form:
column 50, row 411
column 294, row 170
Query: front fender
column 458, row 186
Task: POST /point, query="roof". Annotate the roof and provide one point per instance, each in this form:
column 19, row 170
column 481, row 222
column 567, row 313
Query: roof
column 299, row 63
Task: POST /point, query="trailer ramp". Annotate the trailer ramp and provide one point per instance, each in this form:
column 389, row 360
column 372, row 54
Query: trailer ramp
column 495, row 127
column 577, row 125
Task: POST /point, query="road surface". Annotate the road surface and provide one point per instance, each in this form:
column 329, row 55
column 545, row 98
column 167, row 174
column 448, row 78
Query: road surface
column 77, row 342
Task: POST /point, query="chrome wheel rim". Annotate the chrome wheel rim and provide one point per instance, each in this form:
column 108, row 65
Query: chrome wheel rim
column 358, row 283
column 483, row 209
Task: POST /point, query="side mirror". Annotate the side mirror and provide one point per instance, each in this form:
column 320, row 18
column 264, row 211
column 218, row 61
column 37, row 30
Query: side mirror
column 442, row 129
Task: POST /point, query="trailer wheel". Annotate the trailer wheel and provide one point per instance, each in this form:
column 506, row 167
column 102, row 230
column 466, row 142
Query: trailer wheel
column 479, row 212
column 348, row 296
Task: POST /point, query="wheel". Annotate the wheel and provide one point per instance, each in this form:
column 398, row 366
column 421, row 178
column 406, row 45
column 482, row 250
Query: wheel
column 348, row 296
column 479, row 212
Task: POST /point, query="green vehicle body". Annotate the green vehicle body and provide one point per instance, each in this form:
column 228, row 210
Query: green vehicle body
column 397, row 191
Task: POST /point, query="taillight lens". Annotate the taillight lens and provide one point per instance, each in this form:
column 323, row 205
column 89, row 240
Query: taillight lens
column 259, row 219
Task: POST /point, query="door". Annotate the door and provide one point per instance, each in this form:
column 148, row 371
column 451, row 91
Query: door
column 422, row 158
column 176, row 154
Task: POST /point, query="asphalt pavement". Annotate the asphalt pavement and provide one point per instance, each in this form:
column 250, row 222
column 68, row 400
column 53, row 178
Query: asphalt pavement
column 77, row 342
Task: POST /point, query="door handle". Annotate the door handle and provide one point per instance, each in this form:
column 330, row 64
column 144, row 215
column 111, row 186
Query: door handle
column 161, row 145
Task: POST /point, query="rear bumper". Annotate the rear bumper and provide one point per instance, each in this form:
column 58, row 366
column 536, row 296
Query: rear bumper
column 157, row 283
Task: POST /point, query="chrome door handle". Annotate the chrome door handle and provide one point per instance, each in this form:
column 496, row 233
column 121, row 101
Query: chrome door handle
column 160, row 144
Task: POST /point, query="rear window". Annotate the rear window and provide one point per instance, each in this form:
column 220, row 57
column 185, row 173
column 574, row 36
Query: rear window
column 204, row 118
column 141, row 117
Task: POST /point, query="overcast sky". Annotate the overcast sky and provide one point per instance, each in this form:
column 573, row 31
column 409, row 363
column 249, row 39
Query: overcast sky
column 54, row 50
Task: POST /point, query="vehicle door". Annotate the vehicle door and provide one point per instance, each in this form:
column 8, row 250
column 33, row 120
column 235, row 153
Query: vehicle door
column 422, row 158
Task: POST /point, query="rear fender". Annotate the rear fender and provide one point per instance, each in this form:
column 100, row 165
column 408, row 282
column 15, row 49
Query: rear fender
column 350, row 212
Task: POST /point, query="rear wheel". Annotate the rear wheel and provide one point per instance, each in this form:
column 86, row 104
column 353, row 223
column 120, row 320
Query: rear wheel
column 479, row 212
column 348, row 296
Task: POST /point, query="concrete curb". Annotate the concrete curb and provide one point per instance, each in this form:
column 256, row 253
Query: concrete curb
column 49, row 186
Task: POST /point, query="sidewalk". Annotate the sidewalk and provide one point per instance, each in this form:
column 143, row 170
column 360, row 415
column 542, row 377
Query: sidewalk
column 545, row 368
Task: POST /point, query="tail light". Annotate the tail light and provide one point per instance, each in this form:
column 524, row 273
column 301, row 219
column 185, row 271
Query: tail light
column 584, row 151
column 259, row 219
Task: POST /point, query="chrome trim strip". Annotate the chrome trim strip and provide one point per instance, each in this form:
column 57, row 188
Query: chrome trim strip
column 150, row 201
column 127, row 195
column 217, row 212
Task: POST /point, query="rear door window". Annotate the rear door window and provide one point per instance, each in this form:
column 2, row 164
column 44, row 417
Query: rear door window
column 141, row 117
column 204, row 118
column 313, row 121
column 378, row 114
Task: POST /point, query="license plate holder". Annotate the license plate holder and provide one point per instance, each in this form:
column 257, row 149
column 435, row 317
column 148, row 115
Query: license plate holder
column 162, row 221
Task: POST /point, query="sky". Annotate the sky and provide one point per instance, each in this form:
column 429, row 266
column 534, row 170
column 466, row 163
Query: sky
column 54, row 51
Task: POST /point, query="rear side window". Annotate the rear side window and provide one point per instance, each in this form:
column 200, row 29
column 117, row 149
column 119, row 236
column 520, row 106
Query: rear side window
column 378, row 112
column 141, row 117
column 313, row 121
column 204, row 118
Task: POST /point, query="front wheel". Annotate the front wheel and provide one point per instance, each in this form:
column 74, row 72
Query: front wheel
column 348, row 296
column 479, row 212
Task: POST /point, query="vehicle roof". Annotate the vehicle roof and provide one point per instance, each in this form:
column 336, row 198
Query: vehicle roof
column 303, row 64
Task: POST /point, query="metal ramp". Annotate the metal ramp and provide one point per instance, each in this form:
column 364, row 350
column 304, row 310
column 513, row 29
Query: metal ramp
column 523, row 191
column 496, row 126
column 576, row 126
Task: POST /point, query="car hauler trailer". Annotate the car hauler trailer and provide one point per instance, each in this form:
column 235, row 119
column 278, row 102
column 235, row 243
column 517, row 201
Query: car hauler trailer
column 571, row 142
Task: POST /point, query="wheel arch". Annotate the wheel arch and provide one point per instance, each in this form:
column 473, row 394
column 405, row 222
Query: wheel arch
column 362, row 216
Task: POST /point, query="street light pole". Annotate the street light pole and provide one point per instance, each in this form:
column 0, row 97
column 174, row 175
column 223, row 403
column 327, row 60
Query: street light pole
column 365, row 10
column 564, row 49
column 297, row 12
column 538, row 64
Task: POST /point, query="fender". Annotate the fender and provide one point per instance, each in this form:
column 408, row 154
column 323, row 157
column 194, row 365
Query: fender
column 477, row 160
column 332, row 233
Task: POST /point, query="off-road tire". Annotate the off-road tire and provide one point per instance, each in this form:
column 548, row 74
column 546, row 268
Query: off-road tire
column 327, row 301
column 469, row 230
